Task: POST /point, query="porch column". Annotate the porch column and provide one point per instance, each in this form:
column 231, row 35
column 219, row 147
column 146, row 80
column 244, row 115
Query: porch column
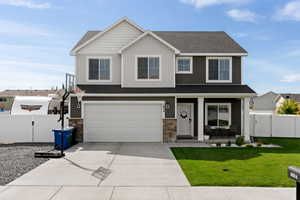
column 247, row 119
column 200, row 119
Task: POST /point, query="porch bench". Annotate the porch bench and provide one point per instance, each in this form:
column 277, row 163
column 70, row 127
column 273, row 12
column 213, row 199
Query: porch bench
column 232, row 131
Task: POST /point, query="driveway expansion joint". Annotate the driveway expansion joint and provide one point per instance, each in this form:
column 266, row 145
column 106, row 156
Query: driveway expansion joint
column 111, row 162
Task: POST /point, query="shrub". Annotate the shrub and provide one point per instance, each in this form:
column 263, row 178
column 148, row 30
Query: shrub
column 288, row 107
column 240, row 141
column 258, row 144
column 228, row 143
column 249, row 146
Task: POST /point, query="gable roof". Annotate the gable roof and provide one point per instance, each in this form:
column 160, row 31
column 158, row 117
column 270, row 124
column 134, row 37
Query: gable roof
column 191, row 42
column 93, row 35
column 154, row 36
column 87, row 36
column 201, row 41
column 293, row 96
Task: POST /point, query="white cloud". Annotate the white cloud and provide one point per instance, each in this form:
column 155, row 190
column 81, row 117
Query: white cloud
column 291, row 78
column 207, row 3
column 242, row 15
column 25, row 3
column 14, row 28
column 26, row 75
column 290, row 11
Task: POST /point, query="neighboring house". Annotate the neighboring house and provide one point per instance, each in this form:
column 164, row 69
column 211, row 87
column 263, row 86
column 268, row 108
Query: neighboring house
column 271, row 101
column 293, row 96
column 157, row 86
column 7, row 97
column 266, row 103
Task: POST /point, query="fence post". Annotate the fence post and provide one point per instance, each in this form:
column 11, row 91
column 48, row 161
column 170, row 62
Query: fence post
column 295, row 126
column 32, row 128
column 271, row 128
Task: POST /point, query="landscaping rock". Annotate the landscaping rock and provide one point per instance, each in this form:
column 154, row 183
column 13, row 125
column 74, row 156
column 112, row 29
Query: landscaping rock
column 18, row 159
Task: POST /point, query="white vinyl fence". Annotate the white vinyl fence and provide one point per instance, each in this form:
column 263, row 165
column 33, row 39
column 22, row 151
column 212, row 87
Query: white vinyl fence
column 28, row 128
column 272, row 125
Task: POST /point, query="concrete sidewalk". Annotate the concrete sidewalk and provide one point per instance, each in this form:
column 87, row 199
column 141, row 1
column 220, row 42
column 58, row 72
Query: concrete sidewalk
column 144, row 193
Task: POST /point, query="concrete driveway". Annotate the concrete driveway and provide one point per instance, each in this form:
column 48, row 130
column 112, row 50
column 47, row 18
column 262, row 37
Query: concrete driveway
column 109, row 164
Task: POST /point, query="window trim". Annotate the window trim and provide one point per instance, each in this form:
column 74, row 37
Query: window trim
column 218, row 104
column 218, row 81
column 99, row 57
column 191, row 65
column 136, row 68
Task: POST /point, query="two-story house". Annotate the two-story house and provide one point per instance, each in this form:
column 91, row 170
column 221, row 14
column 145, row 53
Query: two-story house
column 157, row 86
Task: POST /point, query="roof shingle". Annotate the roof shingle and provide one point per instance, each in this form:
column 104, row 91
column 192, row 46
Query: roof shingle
column 190, row 41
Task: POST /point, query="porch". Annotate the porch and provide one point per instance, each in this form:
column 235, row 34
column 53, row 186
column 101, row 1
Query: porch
column 204, row 119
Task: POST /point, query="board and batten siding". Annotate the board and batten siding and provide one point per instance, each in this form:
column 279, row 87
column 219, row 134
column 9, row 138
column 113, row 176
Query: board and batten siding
column 148, row 46
column 199, row 72
column 111, row 41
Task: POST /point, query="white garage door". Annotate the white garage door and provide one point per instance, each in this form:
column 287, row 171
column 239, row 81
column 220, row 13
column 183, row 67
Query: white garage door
column 123, row 122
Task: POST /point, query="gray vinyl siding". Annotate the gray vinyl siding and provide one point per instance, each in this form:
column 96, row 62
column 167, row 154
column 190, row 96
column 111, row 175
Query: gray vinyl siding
column 169, row 113
column 148, row 46
column 199, row 72
column 235, row 109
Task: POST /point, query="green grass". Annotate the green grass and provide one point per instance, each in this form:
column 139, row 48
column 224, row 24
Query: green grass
column 260, row 167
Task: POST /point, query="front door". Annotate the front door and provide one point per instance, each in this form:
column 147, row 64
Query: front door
column 185, row 116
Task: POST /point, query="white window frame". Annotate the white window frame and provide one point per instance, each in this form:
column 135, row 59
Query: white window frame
column 88, row 66
column 218, row 104
column 218, row 81
column 191, row 65
column 136, row 68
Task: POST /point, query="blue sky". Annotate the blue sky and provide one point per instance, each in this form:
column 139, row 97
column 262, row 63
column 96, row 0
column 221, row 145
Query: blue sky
column 37, row 35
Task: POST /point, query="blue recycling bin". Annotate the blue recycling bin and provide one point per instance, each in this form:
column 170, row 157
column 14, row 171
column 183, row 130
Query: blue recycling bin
column 67, row 138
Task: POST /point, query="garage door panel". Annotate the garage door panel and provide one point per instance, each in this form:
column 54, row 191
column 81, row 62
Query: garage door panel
column 122, row 122
column 107, row 135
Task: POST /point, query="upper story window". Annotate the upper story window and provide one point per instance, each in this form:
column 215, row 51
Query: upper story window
column 99, row 69
column 219, row 69
column 148, row 67
column 184, row 65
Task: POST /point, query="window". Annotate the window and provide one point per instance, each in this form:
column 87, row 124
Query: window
column 99, row 69
column 218, row 115
column 148, row 67
column 3, row 99
column 218, row 69
column 184, row 65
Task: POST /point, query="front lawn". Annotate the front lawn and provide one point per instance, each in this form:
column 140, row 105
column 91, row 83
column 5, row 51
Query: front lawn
column 263, row 167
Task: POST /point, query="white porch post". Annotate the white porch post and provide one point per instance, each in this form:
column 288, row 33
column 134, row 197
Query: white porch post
column 247, row 119
column 200, row 119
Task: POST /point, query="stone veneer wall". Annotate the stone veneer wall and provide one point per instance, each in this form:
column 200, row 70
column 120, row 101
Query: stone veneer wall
column 169, row 130
column 78, row 124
